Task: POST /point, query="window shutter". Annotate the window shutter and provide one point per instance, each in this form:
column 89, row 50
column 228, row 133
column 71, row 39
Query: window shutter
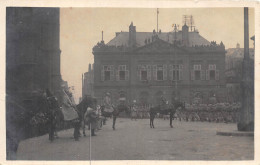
column 117, row 74
column 180, row 74
column 102, row 74
column 112, row 76
column 207, row 74
column 217, row 75
column 149, row 72
column 154, row 72
column 181, row 67
column 192, row 75
column 164, row 72
column 126, row 75
column 202, row 74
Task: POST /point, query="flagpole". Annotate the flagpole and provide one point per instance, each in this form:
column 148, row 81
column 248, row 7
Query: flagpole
column 157, row 18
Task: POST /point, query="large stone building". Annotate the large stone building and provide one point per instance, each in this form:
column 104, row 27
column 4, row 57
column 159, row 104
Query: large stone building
column 143, row 66
column 32, row 51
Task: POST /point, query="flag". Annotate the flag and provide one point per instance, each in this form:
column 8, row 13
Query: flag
column 68, row 109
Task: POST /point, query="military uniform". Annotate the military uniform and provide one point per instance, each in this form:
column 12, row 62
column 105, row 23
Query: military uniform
column 108, row 103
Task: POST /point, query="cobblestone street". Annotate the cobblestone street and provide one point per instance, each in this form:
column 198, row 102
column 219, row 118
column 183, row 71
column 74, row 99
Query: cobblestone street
column 135, row 140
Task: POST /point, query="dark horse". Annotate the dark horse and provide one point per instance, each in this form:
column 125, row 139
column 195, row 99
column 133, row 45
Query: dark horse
column 115, row 113
column 87, row 102
column 165, row 110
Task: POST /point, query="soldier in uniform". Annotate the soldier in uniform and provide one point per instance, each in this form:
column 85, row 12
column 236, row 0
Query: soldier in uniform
column 108, row 103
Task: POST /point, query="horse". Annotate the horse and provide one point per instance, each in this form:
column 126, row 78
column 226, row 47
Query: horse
column 165, row 110
column 115, row 113
column 87, row 102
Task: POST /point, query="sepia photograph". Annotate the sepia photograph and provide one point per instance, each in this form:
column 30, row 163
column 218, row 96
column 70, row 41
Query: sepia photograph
column 106, row 83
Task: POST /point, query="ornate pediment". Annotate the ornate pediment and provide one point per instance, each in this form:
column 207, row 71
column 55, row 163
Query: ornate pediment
column 159, row 46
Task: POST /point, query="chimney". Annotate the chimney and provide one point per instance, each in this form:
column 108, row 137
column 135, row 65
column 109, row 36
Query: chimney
column 185, row 35
column 132, row 35
column 89, row 67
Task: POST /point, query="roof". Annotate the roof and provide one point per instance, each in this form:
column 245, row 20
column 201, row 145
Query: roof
column 122, row 38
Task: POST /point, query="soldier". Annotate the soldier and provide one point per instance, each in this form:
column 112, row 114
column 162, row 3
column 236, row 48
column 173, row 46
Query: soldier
column 108, row 103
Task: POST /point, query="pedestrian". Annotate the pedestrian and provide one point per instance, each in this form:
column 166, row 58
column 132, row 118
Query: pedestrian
column 134, row 111
column 92, row 120
column 53, row 108
column 76, row 124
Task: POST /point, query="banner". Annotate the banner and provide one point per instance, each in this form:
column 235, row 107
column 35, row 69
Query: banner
column 68, row 110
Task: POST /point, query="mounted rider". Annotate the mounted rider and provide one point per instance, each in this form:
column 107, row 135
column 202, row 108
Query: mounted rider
column 163, row 103
column 108, row 103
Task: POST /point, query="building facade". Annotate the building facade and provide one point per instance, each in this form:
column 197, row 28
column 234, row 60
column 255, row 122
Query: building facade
column 144, row 66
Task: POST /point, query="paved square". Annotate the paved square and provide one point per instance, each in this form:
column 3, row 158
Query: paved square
column 135, row 140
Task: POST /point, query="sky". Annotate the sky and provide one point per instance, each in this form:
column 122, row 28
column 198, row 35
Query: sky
column 80, row 30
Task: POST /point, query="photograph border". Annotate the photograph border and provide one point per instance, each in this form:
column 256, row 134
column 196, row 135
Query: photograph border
column 127, row 4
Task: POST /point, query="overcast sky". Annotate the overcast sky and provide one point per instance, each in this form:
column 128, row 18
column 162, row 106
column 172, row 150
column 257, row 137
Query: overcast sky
column 80, row 30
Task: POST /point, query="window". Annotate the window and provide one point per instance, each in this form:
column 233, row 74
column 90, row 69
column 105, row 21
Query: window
column 212, row 73
column 175, row 75
column 107, row 73
column 159, row 72
column 144, row 75
column 197, row 72
column 122, row 74
column 175, row 72
column 144, row 72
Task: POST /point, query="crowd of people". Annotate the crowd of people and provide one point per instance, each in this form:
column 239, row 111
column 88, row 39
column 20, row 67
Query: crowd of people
column 219, row 112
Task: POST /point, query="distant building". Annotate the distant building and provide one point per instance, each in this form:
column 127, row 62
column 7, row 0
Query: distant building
column 88, row 82
column 233, row 73
column 32, row 52
column 144, row 66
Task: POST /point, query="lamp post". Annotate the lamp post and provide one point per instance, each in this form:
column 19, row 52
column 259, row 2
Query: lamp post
column 246, row 116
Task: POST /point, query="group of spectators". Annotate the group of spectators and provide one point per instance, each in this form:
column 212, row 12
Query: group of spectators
column 219, row 112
